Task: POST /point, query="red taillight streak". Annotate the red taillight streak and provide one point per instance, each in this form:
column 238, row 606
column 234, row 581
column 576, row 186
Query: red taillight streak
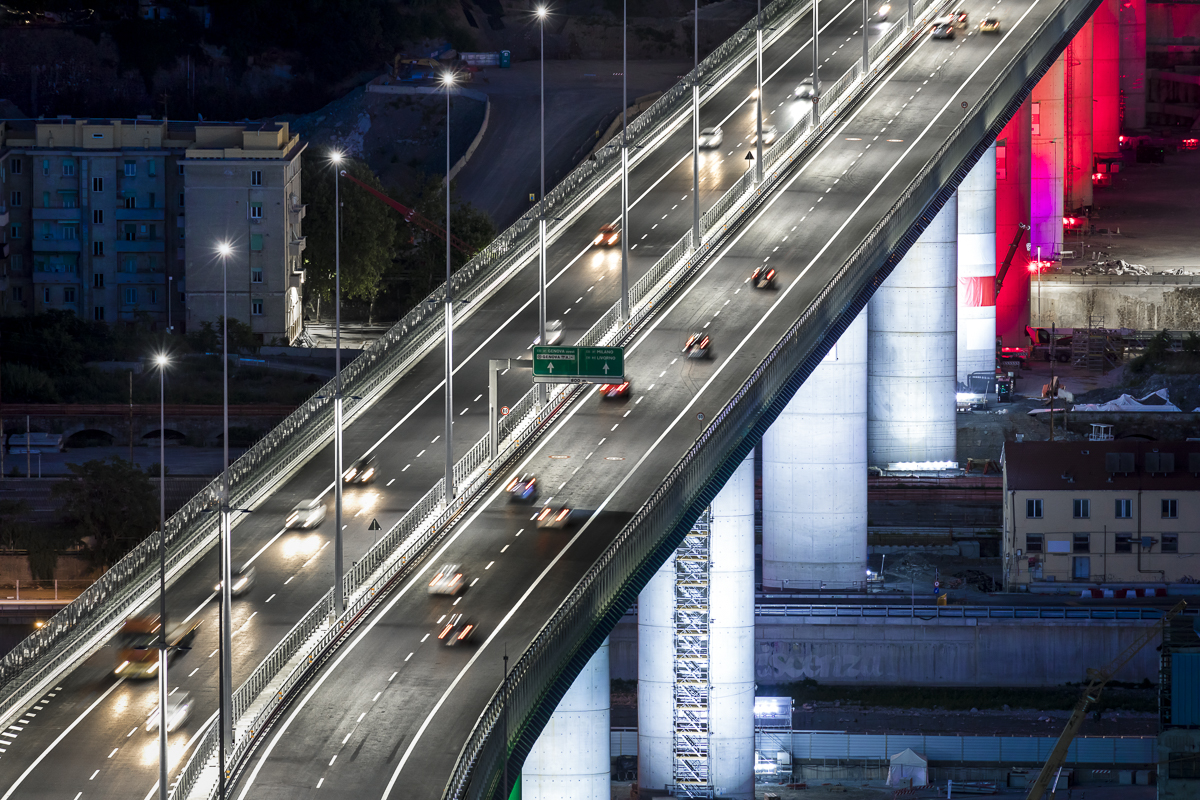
column 465, row 632
column 445, row 630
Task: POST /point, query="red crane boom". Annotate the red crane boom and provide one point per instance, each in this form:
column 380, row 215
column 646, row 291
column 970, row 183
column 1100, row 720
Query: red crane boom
column 412, row 217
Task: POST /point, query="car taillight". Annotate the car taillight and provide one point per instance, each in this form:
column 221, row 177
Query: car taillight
column 465, row 632
column 544, row 513
column 704, row 342
column 770, row 274
column 446, row 630
column 436, row 578
column 562, row 515
column 511, row 485
column 604, row 387
column 623, row 386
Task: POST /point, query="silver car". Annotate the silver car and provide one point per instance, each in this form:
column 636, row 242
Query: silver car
column 306, row 514
column 179, row 709
column 806, row 90
column 711, row 137
column 769, row 133
column 448, row 580
column 554, row 333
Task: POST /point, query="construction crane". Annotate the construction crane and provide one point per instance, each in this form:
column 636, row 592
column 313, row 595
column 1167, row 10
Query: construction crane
column 1096, row 680
column 1012, row 251
column 412, row 217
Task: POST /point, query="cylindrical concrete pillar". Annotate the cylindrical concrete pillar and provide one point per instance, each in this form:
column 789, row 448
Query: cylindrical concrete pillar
column 731, row 637
column 977, row 269
column 911, row 351
column 656, row 679
column 1132, row 22
column 1012, row 211
column 1106, row 87
column 1047, row 164
column 570, row 759
column 815, row 475
column 1078, row 120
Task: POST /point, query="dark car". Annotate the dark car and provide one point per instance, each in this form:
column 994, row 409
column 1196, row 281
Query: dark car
column 614, row 391
column 523, row 489
column 942, row 28
column 361, row 471
column 763, row 277
column 457, row 630
column 697, row 345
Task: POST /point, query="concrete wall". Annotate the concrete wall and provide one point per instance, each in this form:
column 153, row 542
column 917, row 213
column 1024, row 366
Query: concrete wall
column 1138, row 302
column 906, row 652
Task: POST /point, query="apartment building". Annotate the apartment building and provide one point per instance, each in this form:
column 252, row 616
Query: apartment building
column 120, row 220
column 1118, row 514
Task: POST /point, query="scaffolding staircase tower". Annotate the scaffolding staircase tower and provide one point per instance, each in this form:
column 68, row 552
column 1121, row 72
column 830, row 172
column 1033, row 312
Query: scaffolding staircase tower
column 691, row 768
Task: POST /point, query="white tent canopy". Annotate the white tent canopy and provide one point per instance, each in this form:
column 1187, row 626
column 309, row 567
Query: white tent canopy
column 908, row 768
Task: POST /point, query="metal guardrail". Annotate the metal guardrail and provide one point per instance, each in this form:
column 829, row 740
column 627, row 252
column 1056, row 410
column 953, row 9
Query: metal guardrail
column 543, row 672
column 95, row 615
column 927, row 611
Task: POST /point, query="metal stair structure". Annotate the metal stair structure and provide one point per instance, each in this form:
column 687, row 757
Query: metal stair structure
column 692, row 774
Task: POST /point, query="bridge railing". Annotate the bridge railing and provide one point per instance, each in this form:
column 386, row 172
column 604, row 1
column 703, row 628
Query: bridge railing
column 94, row 616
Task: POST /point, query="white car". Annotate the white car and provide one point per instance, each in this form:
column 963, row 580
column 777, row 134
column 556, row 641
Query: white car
column 243, row 581
column 306, row 514
column 711, row 137
column 806, row 90
column 769, row 133
column 179, row 708
column 448, row 580
column 554, row 332
column 884, row 11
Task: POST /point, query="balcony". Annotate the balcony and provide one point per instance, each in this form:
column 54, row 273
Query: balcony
column 138, row 214
column 141, row 246
column 300, row 243
column 51, row 244
column 56, row 214
column 300, row 209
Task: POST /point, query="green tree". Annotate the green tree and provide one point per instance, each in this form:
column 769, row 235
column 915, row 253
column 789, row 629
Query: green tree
column 111, row 504
column 421, row 260
column 368, row 232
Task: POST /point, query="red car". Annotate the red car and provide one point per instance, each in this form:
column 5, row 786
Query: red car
column 614, row 391
column 763, row 277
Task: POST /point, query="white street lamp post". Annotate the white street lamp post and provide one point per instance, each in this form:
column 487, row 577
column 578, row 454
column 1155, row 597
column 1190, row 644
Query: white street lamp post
column 448, row 82
column 758, row 95
column 338, row 600
column 696, row 130
column 624, row 161
column 226, row 618
column 163, row 691
column 541, row 14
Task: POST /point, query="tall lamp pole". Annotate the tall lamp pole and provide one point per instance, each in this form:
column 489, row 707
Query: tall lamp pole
column 816, row 109
column 696, row 130
column 161, row 361
column 226, row 662
column 624, row 161
column 448, row 81
column 866, row 45
column 338, row 600
column 758, row 94
column 542, row 11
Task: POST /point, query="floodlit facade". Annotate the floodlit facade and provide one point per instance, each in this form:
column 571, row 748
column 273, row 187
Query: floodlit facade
column 118, row 221
column 1101, row 514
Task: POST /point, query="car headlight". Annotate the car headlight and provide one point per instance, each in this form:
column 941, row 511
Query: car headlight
column 241, row 584
column 367, row 475
column 598, row 239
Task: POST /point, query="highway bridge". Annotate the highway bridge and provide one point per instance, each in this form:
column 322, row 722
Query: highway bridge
column 385, row 710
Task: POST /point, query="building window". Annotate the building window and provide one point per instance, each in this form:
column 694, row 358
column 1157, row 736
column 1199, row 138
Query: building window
column 181, row 195
column 1081, row 568
column 1033, row 509
column 98, row 313
column 131, row 201
column 256, row 244
column 45, row 199
column 256, row 275
column 69, row 295
column 97, row 248
column 1170, row 543
column 154, row 295
column 98, row 216
column 1081, row 509
column 97, row 184
column 1123, row 543
column 46, row 294
column 151, row 170
column 1033, row 543
column 256, row 177
column 15, row 199
column 14, row 232
column 45, row 166
column 153, row 232
column 1080, row 543
column 256, row 211
column 1170, row 509
column 130, row 169
column 68, row 232
column 130, row 295
column 131, row 233
column 256, row 307
column 68, row 167
column 130, row 263
column 98, row 280
column 46, row 234
column 70, row 200
column 14, row 166
column 16, row 263
column 18, row 294
column 179, row 167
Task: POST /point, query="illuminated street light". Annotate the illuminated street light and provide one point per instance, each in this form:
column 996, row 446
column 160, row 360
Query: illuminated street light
column 225, row 665
column 336, row 158
column 161, row 361
column 449, row 81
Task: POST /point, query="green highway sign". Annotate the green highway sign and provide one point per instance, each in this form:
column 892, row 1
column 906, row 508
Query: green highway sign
column 578, row 364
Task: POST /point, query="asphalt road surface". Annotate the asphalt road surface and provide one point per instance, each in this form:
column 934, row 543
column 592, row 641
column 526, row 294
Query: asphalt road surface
column 86, row 737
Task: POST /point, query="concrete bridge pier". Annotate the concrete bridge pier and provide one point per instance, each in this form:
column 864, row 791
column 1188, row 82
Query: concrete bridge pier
column 912, row 333
column 977, row 269
column 1106, row 89
column 1012, row 211
column 656, row 679
column 1132, row 22
column 1078, row 113
column 570, row 759
column 1047, row 166
column 815, row 475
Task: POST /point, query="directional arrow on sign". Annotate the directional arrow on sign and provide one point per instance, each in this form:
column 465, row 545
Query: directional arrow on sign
column 606, row 368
